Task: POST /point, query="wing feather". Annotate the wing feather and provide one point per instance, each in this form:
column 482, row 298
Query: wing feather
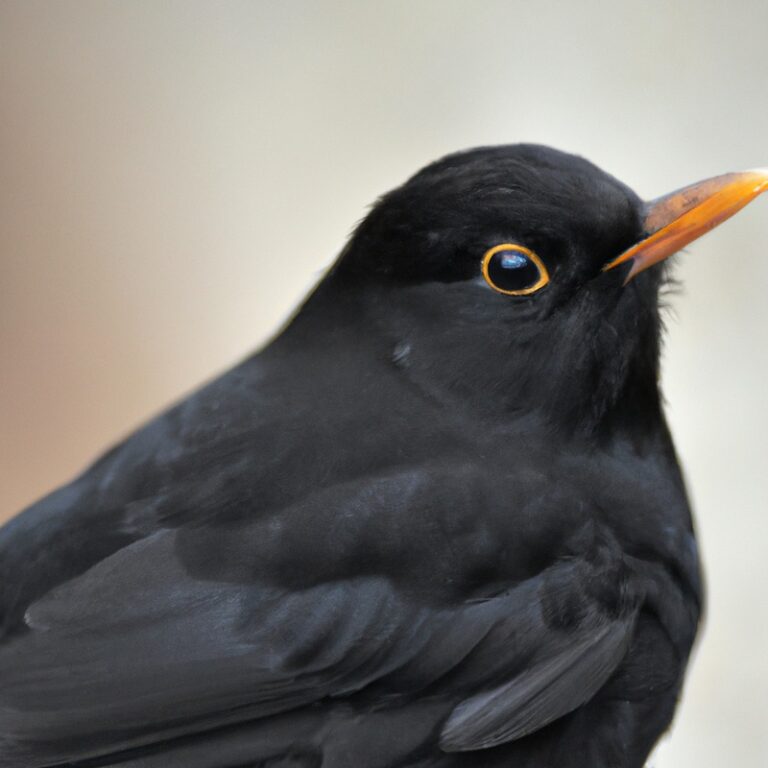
column 137, row 651
column 541, row 694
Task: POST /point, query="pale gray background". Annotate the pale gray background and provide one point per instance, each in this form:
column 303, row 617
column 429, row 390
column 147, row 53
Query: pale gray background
column 175, row 175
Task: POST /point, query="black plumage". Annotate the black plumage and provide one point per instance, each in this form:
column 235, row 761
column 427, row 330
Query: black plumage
column 430, row 524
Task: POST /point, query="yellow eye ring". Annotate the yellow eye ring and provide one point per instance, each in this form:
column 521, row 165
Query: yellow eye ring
column 510, row 278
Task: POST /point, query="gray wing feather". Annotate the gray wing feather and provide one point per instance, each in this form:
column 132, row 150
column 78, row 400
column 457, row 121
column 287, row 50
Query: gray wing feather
column 541, row 694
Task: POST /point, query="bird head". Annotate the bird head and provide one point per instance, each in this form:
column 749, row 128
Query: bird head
column 525, row 281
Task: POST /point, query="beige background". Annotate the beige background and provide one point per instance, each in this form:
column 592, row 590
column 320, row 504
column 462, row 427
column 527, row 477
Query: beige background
column 174, row 175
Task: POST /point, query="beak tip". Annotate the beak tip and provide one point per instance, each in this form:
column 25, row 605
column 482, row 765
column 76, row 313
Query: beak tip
column 762, row 178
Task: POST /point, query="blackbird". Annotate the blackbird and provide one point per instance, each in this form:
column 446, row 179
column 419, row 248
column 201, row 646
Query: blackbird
column 438, row 521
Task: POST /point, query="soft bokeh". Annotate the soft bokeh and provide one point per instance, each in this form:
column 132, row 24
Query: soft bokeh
column 175, row 175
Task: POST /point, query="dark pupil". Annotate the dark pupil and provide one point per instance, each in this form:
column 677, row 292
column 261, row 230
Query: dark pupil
column 512, row 271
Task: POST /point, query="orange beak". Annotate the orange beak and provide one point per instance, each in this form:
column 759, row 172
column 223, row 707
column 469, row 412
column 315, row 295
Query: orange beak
column 673, row 221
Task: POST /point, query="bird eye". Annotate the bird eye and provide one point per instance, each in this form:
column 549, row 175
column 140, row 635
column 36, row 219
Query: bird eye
column 514, row 270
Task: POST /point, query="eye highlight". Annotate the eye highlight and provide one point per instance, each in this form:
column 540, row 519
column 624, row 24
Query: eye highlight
column 514, row 270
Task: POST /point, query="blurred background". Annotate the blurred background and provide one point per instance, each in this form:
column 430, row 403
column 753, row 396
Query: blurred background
column 174, row 176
